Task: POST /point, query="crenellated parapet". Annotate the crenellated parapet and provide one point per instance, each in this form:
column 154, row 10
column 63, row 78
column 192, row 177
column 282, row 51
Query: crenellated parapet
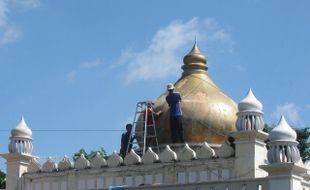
column 150, row 157
column 65, row 164
column 98, row 161
column 170, row 166
column 132, row 158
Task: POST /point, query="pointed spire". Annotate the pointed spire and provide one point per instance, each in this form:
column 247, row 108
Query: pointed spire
column 21, row 130
column 194, row 56
column 194, row 61
column 250, row 103
column 282, row 132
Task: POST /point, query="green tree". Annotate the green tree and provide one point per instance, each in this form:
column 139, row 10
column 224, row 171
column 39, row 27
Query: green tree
column 266, row 128
column 89, row 155
column 2, row 180
column 304, row 145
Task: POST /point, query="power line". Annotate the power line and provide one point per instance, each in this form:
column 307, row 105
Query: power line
column 70, row 130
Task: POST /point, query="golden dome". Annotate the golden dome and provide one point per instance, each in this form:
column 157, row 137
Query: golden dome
column 208, row 114
column 194, row 56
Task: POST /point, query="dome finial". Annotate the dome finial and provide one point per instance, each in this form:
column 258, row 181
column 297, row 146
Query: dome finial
column 250, row 102
column 195, row 60
column 22, row 120
column 21, row 130
column 282, row 131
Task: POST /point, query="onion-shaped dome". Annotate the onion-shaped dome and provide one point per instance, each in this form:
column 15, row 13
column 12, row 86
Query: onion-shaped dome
column 21, row 130
column 195, row 58
column 208, row 114
column 250, row 115
column 282, row 132
column 250, row 103
column 21, row 139
column 283, row 144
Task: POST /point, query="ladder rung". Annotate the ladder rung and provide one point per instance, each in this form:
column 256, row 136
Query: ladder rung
column 138, row 122
column 151, row 136
column 140, row 111
column 139, row 132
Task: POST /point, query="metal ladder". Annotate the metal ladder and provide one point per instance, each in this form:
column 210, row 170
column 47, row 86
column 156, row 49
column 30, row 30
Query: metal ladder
column 141, row 128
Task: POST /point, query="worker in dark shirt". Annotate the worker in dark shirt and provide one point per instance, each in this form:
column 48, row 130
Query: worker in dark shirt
column 174, row 101
column 125, row 140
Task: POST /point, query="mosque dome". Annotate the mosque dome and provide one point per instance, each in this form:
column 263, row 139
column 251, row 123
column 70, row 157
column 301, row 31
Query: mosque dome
column 282, row 132
column 208, row 114
column 250, row 103
column 21, row 130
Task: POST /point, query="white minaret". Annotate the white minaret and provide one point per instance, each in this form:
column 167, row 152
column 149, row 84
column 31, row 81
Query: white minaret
column 250, row 147
column 20, row 154
column 284, row 168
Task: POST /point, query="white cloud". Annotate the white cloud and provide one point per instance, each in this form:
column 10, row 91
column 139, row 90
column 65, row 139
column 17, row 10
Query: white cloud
column 71, row 76
column 84, row 66
column 8, row 32
column 164, row 53
column 291, row 112
column 27, row 4
column 90, row 64
column 3, row 12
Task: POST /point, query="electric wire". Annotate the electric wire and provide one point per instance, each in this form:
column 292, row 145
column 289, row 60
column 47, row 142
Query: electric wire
column 70, row 130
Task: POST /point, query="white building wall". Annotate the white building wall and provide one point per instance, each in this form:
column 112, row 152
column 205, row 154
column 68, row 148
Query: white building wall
column 184, row 172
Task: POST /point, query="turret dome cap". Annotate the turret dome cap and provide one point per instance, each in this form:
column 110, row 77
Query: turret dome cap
column 21, row 130
column 194, row 56
column 250, row 103
column 282, row 132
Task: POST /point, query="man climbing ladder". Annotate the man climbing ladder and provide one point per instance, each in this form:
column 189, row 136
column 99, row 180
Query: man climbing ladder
column 144, row 128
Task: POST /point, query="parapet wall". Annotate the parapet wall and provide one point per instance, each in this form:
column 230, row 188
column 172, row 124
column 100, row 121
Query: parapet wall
column 167, row 168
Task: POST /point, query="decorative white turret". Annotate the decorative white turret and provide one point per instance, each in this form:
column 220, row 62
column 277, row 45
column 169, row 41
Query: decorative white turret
column 250, row 115
column 21, row 139
column 20, row 158
column 283, row 144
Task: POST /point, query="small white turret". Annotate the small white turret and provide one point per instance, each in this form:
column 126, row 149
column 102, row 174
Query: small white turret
column 21, row 139
column 20, row 158
column 250, row 115
column 283, row 144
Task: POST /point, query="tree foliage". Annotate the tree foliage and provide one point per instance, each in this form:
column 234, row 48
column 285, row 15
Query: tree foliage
column 89, row 155
column 2, row 179
column 303, row 146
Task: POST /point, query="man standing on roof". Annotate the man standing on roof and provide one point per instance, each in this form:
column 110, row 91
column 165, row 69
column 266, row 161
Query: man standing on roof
column 174, row 101
column 125, row 141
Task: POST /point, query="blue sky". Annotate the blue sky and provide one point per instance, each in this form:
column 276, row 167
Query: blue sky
column 84, row 64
